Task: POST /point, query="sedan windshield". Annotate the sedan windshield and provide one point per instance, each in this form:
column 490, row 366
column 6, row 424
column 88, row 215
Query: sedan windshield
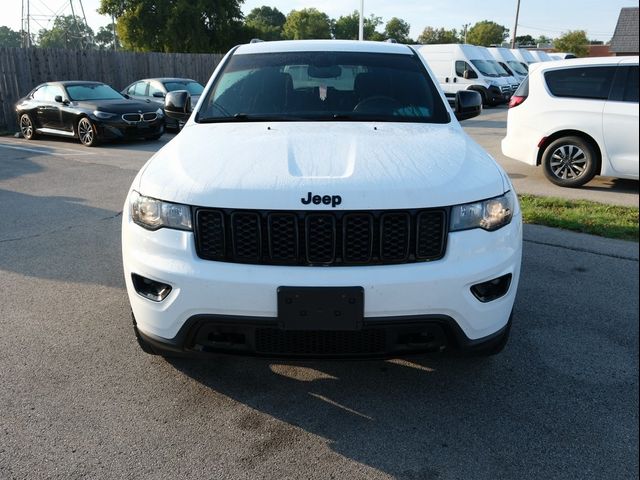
column 194, row 88
column 92, row 91
column 320, row 86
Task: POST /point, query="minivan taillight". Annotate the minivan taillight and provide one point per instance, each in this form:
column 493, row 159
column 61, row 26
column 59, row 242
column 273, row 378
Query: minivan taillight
column 516, row 100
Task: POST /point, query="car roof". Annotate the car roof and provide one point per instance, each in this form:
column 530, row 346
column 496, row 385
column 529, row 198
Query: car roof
column 323, row 46
column 582, row 62
column 66, row 83
column 165, row 79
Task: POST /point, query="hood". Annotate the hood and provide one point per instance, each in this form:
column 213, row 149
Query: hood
column 276, row 165
column 117, row 106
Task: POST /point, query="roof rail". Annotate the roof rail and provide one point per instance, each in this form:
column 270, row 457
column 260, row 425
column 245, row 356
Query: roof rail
column 256, row 40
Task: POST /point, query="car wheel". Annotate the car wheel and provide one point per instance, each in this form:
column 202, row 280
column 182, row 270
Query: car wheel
column 570, row 162
column 87, row 133
column 27, row 129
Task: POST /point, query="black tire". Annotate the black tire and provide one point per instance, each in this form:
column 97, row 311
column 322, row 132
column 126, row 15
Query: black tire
column 87, row 133
column 27, row 127
column 483, row 95
column 570, row 161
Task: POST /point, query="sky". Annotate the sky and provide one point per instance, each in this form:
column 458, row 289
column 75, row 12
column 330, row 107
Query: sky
column 537, row 17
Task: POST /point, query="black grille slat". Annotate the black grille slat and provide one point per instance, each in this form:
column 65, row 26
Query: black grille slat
column 325, row 342
column 211, row 235
column 283, row 237
column 320, row 238
column 430, row 235
column 357, row 237
column 303, row 238
column 394, row 236
column 247, row 241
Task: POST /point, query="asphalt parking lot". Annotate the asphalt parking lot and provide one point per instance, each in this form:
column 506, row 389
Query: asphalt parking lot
column 79, row 399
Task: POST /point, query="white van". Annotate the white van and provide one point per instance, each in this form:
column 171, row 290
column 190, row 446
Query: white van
column 506, row 59
column 523, row 56
column 540, row 56
column 505, row 74
column 463, row 67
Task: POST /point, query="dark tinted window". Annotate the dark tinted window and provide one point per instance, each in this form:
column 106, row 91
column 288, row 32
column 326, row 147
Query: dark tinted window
column 461, row 67
column 581, row 82
column 92, row 91
column 631, row 85
column 298, row 86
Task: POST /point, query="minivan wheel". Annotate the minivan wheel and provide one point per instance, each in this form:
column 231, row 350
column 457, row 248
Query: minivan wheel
column 569, row 162
column 87, row 133
column 26, row 127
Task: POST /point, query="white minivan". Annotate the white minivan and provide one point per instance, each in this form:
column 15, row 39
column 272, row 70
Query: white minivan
column 507, row 60
column 322, row 200
column 463, row 67
column 577, row 118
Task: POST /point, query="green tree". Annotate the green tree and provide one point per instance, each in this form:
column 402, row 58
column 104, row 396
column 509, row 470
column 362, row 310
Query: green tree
column 266, row 23
column 525, row 40
column 544, row 40
column 67, row 32
column 307, row 23
column 176, row 25
column 487, row 33
column 105, row 38
column 9, row 38
column 347, row 27
column 432, row 35
column 574, row 41
column 397, row 29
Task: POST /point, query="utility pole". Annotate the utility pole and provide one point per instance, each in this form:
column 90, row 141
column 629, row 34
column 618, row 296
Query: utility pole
column 464, row 32
column 28, row 25
column 113, row 29
column 361, row 25
column 515, row 26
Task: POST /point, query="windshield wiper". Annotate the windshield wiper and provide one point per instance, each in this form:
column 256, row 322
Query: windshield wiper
column 246, row 117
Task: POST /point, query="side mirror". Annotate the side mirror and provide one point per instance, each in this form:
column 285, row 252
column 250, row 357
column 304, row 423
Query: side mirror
column 158, row 94
column 177, row 104
column 468, row 104
column 469, row 74
column 126, row 95
column 58, row 99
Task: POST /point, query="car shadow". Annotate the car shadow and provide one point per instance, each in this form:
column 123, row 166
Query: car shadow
column 609, row 184
column 59, row 238
column 19, row 163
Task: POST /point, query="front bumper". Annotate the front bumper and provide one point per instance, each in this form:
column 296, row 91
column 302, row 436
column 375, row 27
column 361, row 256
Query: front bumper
column 119, row 129
column 437, row 291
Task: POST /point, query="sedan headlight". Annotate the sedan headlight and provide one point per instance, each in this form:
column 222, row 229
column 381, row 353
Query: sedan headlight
column 103, row 115
column 153, row 214
column 490, row 214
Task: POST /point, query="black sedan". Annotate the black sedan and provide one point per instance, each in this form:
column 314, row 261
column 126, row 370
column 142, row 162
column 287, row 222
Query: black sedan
column 155, row 89
column 89, row 111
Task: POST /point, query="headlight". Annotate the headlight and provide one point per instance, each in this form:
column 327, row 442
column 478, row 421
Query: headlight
column 489, row 214
column 103, row 115
column 153, row 214
column 159, row 112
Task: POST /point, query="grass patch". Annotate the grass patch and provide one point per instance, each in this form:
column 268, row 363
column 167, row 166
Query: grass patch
column 609, row 221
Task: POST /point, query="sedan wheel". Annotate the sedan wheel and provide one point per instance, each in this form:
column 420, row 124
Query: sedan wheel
column 86, row 133
column 570, row 162
column 26, row 127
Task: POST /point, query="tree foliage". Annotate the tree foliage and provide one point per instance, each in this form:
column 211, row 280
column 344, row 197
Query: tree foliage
column 525, row 40
column 398, row 30
column 307, row 23
column 177, row 25
column 105, row 39
column 574, row 41
column 67, row 32
column 266, row 23
column 487, row 33
column 432, row 35
column 9, row 38
column 347, row 27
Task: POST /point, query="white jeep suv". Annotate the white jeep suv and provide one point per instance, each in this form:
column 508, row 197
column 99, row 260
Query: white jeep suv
column 322, row 200
column 577, row 118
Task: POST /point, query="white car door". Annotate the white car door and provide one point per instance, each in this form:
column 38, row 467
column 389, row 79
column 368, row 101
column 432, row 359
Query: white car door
column 620, row 122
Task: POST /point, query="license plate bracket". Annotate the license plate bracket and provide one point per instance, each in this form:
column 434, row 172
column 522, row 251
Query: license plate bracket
column 320, row 308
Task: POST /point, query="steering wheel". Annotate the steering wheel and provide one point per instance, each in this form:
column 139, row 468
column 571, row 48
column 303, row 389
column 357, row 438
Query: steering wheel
column 376, row 104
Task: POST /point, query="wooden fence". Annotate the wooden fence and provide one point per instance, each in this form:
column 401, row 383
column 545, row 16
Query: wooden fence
column 21, row 69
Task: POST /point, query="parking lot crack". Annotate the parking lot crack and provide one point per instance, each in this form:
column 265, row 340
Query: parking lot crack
column 584, row 250
column 58, row 230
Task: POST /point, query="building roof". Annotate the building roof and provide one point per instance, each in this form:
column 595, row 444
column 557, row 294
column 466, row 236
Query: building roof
column 625, row 38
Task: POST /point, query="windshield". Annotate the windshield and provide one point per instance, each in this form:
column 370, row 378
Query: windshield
column 499, row 68
column 194, row 88
column 319, row 86
column 485, row 68
column 517, row 67
column 92, row 91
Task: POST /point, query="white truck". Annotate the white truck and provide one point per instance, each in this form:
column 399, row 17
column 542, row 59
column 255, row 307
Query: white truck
column 463, row 67
column 505, row 57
